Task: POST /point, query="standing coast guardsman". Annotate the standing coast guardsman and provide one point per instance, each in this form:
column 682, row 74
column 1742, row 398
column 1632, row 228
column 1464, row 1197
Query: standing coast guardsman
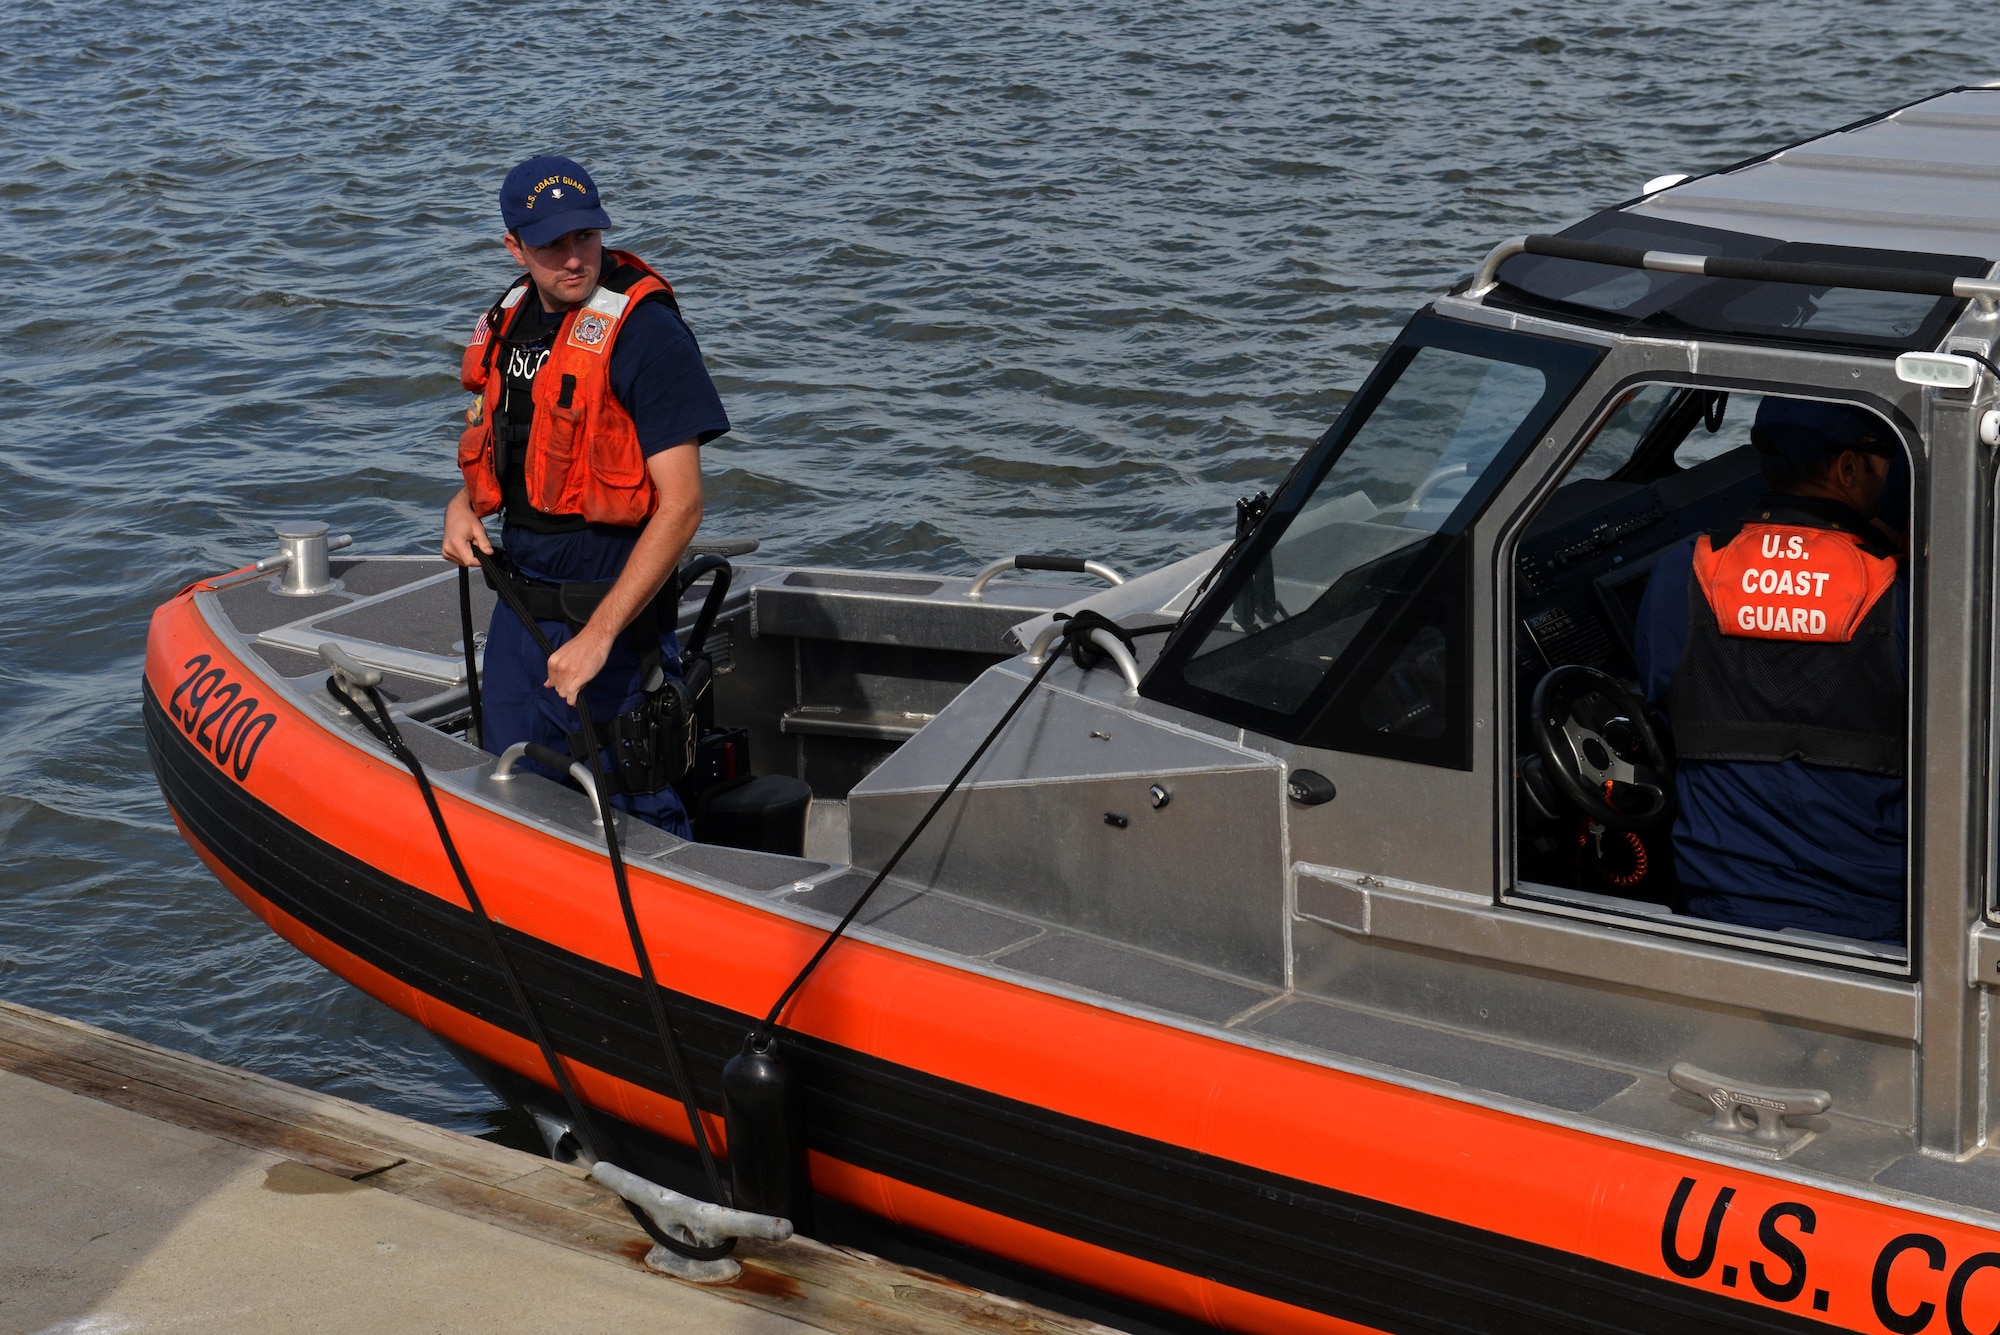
column 585, row 437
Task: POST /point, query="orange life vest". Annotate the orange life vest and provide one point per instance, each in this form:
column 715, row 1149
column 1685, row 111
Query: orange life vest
column 583, row 455
column 1793, row 651
column 1782, row 582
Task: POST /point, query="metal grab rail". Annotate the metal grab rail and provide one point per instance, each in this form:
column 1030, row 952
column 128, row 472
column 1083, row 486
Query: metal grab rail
column 1069, row 565
column 1438, row 477
column 1128, row 667
column 503, row 770
column 1867, row 278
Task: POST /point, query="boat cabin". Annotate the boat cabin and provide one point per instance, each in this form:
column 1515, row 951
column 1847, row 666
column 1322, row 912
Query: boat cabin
column 1486, row 516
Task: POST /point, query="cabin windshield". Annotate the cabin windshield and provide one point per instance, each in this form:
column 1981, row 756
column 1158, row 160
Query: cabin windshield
column 1357, row 572
column 1434, row 434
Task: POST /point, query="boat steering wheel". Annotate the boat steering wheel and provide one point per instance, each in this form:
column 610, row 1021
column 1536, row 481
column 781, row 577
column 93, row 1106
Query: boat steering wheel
column 1601, row 749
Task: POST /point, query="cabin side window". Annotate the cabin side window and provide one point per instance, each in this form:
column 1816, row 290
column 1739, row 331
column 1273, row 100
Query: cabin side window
column 1711, row 684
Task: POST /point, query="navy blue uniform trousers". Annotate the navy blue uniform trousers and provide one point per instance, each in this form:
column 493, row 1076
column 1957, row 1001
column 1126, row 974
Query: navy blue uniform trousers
column 516, row 707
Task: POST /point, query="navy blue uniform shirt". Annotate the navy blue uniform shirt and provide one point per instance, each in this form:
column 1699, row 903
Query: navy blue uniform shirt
column 1782, row 844
column 658, row 377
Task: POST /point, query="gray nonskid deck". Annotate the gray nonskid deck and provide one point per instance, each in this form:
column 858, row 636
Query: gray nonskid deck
column 903, row 910
column 1975, row 1184
column 365, row 577
column 1520, row 1073
column 1100, row 966
column 425, row 619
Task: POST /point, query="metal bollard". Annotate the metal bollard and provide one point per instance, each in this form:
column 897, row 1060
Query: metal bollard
column 304, row 547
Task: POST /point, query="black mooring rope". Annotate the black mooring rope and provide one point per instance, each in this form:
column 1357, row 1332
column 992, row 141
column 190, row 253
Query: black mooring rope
column 668, row 1039
column 391, row 736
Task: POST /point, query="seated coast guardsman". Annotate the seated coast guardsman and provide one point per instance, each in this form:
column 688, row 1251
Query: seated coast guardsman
column 592, row 406
column 1778, row 650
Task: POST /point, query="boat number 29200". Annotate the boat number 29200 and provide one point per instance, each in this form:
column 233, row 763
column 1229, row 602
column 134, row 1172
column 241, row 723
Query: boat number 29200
column 223, row 721
column 1913, row 1279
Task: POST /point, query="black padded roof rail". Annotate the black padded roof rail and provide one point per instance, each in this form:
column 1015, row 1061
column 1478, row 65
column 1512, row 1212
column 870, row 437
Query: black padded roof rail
column 1864, row 277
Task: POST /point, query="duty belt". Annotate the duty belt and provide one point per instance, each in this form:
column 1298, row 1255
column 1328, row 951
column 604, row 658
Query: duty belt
column 652, row 745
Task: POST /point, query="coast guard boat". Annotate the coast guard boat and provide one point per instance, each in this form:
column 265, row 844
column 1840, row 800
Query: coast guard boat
column 1281, row 968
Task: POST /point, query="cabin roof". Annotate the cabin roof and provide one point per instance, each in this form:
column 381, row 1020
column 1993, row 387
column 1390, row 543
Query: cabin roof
column 1923, row 179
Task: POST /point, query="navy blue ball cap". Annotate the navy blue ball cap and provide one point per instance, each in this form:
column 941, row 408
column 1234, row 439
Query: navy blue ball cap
column 550, row 196
column 1804, row 431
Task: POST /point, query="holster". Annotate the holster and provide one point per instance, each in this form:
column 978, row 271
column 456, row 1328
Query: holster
column 653, row 745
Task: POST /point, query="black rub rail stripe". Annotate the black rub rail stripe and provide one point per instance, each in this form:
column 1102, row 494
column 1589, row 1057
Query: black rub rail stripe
column 1297, row 1242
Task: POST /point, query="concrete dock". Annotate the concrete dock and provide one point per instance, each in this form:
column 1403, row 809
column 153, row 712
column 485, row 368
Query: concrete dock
column 147, row 1190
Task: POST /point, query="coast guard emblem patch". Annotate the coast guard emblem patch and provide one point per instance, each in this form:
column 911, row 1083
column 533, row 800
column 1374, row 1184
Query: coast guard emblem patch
column 475, row 412
column 590, row 330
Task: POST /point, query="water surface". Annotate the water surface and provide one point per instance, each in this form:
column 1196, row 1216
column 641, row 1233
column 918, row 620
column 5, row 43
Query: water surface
column 973, row 279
